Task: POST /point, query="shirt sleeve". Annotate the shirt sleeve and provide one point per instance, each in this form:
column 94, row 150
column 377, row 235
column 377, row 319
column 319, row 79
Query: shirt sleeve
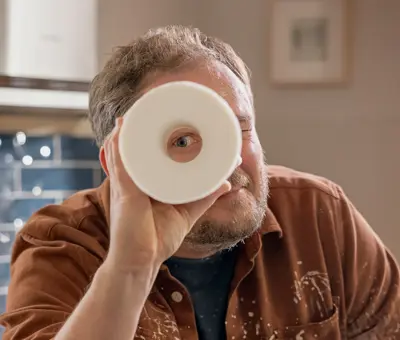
column 371, row 279
column 48, row 279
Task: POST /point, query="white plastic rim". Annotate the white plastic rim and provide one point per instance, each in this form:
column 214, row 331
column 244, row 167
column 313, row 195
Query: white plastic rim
column 142, row 142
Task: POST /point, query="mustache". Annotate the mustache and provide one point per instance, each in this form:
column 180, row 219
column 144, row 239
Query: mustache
column 239, row 179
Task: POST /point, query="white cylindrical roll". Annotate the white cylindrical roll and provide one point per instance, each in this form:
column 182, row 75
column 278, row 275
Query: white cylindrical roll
column 142, row 142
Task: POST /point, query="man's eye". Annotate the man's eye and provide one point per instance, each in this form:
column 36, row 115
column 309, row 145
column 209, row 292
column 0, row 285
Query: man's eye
column 183, row 142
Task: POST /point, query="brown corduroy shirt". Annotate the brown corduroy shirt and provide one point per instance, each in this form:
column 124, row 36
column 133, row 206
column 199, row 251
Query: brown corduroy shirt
column 316, row 270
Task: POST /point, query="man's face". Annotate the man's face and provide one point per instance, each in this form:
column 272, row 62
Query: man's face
column 236, row 215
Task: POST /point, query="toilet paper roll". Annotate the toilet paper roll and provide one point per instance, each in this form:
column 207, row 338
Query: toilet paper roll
column 145, row 131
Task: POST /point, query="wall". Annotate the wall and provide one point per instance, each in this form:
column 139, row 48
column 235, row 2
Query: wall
column 123, row 20
column 2, row 33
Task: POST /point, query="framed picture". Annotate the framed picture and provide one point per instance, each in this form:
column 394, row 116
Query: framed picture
column 309, row 42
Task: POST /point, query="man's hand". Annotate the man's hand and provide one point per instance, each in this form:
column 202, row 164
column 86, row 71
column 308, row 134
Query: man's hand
column 145, row 232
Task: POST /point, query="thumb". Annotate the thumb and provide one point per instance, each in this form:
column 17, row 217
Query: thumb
column 196, row 209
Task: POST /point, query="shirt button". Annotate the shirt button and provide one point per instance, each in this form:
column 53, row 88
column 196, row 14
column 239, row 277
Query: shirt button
column 177, row 296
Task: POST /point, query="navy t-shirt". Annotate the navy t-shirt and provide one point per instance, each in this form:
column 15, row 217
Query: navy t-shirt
column 208, row 282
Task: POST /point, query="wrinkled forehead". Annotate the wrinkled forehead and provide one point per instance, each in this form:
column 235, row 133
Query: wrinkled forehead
column 216, row 76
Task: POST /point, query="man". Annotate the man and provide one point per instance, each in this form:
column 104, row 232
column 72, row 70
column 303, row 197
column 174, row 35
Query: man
column 273, row 254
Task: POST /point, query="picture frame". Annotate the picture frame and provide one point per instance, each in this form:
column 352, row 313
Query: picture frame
column 309, row 42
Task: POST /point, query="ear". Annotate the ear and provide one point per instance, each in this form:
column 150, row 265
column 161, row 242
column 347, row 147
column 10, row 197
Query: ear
column 103, row 160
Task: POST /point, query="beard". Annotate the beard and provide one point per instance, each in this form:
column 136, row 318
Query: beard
column 232, row 218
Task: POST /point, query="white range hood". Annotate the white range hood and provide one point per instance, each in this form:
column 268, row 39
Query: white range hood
column 46, row 99
column 47, row 47
column 20, row 97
